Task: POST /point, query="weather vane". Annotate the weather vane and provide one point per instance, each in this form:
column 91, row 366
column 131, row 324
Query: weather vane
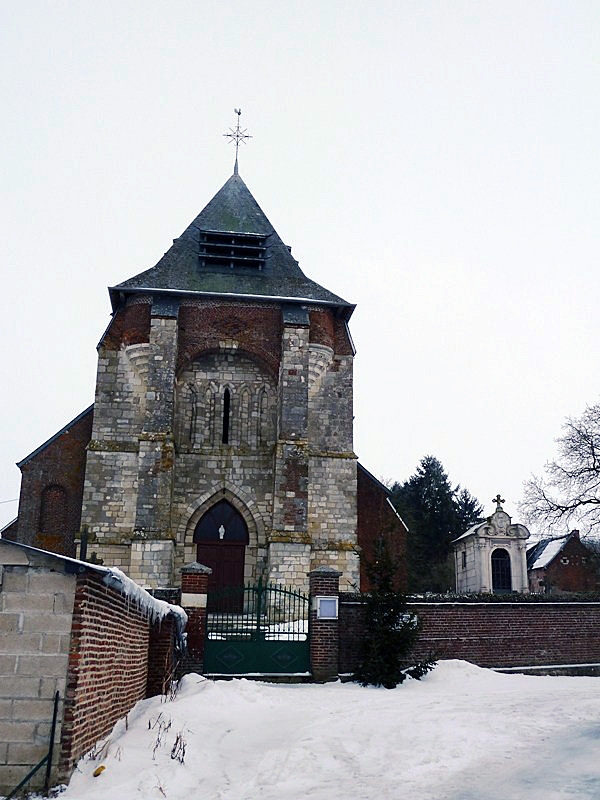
column 237, row 135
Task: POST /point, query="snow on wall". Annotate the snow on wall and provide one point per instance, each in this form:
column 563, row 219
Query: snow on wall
column 155, row 610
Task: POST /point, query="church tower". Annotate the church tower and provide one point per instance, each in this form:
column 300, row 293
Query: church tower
column 222, row 423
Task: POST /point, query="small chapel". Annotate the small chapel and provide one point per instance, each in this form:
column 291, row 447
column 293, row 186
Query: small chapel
column 222, row 426
column 491, row 556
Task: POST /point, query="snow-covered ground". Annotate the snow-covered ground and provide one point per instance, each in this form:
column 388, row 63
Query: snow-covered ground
column 462, row 733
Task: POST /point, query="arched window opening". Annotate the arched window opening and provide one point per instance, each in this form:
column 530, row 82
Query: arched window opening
column 244, row 417
column 501, row 574
column 193, row 412
column 226, row 415
column 263, row 417
column 53, row 510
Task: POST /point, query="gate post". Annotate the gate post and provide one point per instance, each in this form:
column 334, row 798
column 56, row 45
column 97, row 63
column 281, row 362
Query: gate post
column 323, row 623
column 194, row 593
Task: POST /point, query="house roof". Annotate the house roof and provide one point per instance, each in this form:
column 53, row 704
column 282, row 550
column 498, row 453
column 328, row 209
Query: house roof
column 233, row 210
column 542, row 553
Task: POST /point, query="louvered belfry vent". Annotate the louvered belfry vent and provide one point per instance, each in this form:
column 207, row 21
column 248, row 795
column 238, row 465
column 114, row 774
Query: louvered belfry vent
column 232, row 250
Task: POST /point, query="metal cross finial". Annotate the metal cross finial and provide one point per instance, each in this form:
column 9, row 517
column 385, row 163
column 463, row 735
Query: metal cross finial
column 498, row 500
column 237, row 135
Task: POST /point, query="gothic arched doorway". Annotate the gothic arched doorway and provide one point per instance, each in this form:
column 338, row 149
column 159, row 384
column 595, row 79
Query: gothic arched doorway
column 501, row 574
column 221, row 536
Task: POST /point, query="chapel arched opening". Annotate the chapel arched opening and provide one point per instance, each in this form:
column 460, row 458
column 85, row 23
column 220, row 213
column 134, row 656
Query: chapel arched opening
column 501, row 572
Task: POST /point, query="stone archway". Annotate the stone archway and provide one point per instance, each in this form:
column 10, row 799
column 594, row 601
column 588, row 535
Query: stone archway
column 221, row 538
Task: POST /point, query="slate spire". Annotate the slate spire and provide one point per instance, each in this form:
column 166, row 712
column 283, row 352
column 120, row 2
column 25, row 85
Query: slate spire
column 232, row 217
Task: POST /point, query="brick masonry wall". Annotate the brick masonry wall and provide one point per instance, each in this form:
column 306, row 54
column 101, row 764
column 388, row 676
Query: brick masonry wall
column 107, row 670
column 492, row 634
column 161, row 652
column 324, row 633
column 351, row 626
column 35, row 632
column 205, row 326
column 130, row 325
column 60, row 464
column 375, row 518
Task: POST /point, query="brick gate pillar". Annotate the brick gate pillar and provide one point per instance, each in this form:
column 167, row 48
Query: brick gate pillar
column 194, row 592
column 324, row 583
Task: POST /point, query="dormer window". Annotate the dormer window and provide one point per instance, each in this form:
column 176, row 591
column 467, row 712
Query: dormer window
column 224, row 250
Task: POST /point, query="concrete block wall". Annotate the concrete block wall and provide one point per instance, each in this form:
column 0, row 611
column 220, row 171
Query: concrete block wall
column 35, row 631
column 63, row 629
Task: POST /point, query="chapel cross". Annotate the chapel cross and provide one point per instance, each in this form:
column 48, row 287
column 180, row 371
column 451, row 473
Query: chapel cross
column 237, row 135
column 498, row 500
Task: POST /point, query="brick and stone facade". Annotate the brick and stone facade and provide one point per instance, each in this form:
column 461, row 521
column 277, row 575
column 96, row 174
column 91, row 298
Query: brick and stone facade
column 224, row 375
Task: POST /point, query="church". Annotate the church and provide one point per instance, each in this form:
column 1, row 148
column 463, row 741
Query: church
column 222, row 425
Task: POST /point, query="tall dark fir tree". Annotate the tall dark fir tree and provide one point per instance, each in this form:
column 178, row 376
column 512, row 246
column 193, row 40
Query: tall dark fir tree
column 435, row 514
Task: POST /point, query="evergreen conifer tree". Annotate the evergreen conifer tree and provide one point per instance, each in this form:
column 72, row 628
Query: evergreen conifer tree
column 435, row 514
column 390, row 630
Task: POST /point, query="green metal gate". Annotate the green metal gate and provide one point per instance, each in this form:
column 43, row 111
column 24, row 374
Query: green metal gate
column 260, row 628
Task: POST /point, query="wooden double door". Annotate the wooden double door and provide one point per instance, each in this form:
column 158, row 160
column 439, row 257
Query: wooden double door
column 221, row 538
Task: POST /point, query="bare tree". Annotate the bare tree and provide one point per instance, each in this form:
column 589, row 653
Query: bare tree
column 569, row 491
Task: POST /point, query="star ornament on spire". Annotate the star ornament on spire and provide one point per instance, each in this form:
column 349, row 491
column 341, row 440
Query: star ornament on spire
column 237, row 135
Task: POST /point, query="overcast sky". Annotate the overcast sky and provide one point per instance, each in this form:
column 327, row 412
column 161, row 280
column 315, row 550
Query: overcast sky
column 435, row 163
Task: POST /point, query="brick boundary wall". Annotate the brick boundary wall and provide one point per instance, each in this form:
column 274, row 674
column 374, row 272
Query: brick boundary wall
column 108, row 666
column 491, row 634
column 161, row 657
column 194, row 594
